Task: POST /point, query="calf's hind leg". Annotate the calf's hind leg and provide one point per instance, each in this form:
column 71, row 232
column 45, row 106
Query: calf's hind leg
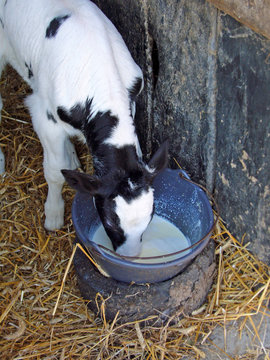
column 58, row 153
column 2, row 156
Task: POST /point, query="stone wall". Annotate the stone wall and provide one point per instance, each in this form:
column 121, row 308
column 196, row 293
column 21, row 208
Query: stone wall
column 207, row 82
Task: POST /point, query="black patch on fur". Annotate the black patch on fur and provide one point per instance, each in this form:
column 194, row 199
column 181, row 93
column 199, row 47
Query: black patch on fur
column 135, row 89
column 30, row 71
column 77, row 116
column 106, row 210
column 51, row 117
column 117, row 167
column 5, row 3
column 139, row 179
column 98, row 129
column 2, row 23
column 54, row 25
column 95, row 129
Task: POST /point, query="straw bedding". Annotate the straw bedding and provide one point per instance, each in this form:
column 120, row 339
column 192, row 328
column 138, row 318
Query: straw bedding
column 33, row 263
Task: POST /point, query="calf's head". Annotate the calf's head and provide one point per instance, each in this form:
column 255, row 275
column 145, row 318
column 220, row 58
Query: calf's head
column 124, row 199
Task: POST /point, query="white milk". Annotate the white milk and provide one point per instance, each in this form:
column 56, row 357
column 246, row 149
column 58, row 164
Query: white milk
column 160, row 238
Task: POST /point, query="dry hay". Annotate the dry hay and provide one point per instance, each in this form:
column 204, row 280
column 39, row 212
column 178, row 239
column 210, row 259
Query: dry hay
column 33, row 263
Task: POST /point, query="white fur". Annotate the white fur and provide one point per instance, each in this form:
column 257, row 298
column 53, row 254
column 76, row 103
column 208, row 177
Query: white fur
column 58, row 153
column 86, row 59
column 134, row 218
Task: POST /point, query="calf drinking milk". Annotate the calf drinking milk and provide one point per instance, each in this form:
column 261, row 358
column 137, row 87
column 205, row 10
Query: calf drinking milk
column 84, row 84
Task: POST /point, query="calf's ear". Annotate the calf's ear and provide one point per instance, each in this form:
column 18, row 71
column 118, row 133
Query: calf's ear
column 159, row 160
column 82, row 182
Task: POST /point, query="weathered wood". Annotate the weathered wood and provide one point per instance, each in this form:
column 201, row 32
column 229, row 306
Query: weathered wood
column 252, row 13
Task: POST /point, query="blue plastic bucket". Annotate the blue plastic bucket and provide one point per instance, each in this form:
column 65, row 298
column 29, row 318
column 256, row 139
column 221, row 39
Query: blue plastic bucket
column 179, row 201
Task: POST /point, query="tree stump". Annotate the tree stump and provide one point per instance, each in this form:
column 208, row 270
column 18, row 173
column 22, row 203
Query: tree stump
column 181, row 294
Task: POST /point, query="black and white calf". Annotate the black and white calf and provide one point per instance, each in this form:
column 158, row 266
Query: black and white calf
column 84, row 83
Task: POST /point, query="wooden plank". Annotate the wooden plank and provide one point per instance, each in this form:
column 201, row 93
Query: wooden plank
column 252, row 13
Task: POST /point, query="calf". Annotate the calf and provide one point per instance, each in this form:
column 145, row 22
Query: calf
column 84, row 84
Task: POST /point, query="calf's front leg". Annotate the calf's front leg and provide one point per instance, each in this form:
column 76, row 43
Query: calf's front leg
column 59, row 153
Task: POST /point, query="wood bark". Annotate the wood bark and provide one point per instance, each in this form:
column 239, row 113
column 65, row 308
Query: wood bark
column 252, row 13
